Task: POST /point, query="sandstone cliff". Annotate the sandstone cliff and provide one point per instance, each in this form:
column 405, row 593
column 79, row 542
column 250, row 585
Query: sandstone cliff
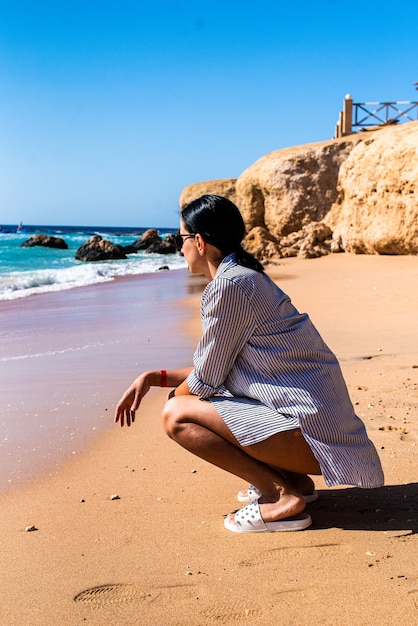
column 224, row 187
column 356, row 194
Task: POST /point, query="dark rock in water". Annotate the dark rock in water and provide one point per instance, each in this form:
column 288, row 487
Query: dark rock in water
column 99, row 249
column 148, row 238
column 171, row 241
column 162, row 247
column 47, row 241
column 163, row 268
column 129, row 249
column 151, row 241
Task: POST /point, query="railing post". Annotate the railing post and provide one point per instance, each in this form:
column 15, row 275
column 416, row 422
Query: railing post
column 337, row 131
column 347, row 117
column 339, row 126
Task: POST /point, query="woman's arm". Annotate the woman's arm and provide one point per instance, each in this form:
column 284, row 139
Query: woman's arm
column 131, row 399
column 228, row 323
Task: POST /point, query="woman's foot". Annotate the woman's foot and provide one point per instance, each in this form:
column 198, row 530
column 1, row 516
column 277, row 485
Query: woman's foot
column 288, row 505
column 250, row 520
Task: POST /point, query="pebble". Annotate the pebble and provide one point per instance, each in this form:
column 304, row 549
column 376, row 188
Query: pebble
column 30, row 529
column 115, row 497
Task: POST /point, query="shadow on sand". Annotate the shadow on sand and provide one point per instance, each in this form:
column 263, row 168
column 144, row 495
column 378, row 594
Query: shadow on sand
column 389, row 508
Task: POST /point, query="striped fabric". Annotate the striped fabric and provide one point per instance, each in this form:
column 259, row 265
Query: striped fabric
column 266, row 369
column 250, row 420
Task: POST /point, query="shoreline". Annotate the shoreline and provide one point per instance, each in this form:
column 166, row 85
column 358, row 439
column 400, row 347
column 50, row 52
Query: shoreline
column 160, row 554
column 65, row 356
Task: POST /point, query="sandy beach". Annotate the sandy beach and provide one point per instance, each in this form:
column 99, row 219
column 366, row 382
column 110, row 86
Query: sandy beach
column 129, row 527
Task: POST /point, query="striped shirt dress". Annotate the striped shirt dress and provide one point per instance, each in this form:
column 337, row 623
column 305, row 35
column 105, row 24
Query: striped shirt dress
column 266, row 369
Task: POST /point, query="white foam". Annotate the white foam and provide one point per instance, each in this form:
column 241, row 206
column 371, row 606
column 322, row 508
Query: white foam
column 15, row 285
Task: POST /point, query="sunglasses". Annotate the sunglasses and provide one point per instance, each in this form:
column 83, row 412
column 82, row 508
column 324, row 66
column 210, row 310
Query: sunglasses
column 180, row 238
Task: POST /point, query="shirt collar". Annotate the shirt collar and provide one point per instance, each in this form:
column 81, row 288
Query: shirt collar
column 227, row 262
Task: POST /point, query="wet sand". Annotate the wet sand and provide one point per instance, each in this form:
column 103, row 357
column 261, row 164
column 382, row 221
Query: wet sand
column 65, row 356
column 158, row 554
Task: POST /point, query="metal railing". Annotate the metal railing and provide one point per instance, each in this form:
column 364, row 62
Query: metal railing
column 361, row 115
column 385, row 113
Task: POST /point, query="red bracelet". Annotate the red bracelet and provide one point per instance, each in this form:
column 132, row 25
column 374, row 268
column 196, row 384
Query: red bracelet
column 163, row 378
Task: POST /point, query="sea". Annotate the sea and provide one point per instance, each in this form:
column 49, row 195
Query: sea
column 27, row 271
column 65, row 361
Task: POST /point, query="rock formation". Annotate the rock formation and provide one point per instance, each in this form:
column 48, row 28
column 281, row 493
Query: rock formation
column 147, row 238
column 47, row 241
column 356, row 194
column 165, row 246
column 99, row 249
column 224, row 187
column 376, row 211
column 150, row 241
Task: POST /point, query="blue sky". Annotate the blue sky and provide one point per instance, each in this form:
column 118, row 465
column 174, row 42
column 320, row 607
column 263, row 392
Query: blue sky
column 108, row 109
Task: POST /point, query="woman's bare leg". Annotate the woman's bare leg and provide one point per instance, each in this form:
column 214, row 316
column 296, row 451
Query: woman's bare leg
column 197, row 427
column 301, row 482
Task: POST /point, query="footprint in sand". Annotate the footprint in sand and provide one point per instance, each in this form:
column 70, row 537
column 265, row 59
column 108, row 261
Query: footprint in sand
column 291, row 553
column 126, row 593
column 226, row 613
column 112, row 594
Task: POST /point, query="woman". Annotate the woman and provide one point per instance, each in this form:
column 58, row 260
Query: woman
column 265, row 399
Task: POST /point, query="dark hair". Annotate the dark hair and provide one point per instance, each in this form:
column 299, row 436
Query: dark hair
column 220, row 223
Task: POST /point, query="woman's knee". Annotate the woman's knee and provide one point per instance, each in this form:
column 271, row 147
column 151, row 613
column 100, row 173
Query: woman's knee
column 171, row 417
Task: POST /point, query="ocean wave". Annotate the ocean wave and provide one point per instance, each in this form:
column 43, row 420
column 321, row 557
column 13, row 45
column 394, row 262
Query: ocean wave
column 22, row 357
column 20, row 284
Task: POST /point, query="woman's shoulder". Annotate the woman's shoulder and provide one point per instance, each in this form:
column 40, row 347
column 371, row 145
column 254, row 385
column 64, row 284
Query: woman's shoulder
column 231, row 271
column 233, row 276
column 230, row 268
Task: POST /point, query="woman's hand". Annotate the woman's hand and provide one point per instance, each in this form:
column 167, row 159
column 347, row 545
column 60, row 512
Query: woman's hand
column 131, row 399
